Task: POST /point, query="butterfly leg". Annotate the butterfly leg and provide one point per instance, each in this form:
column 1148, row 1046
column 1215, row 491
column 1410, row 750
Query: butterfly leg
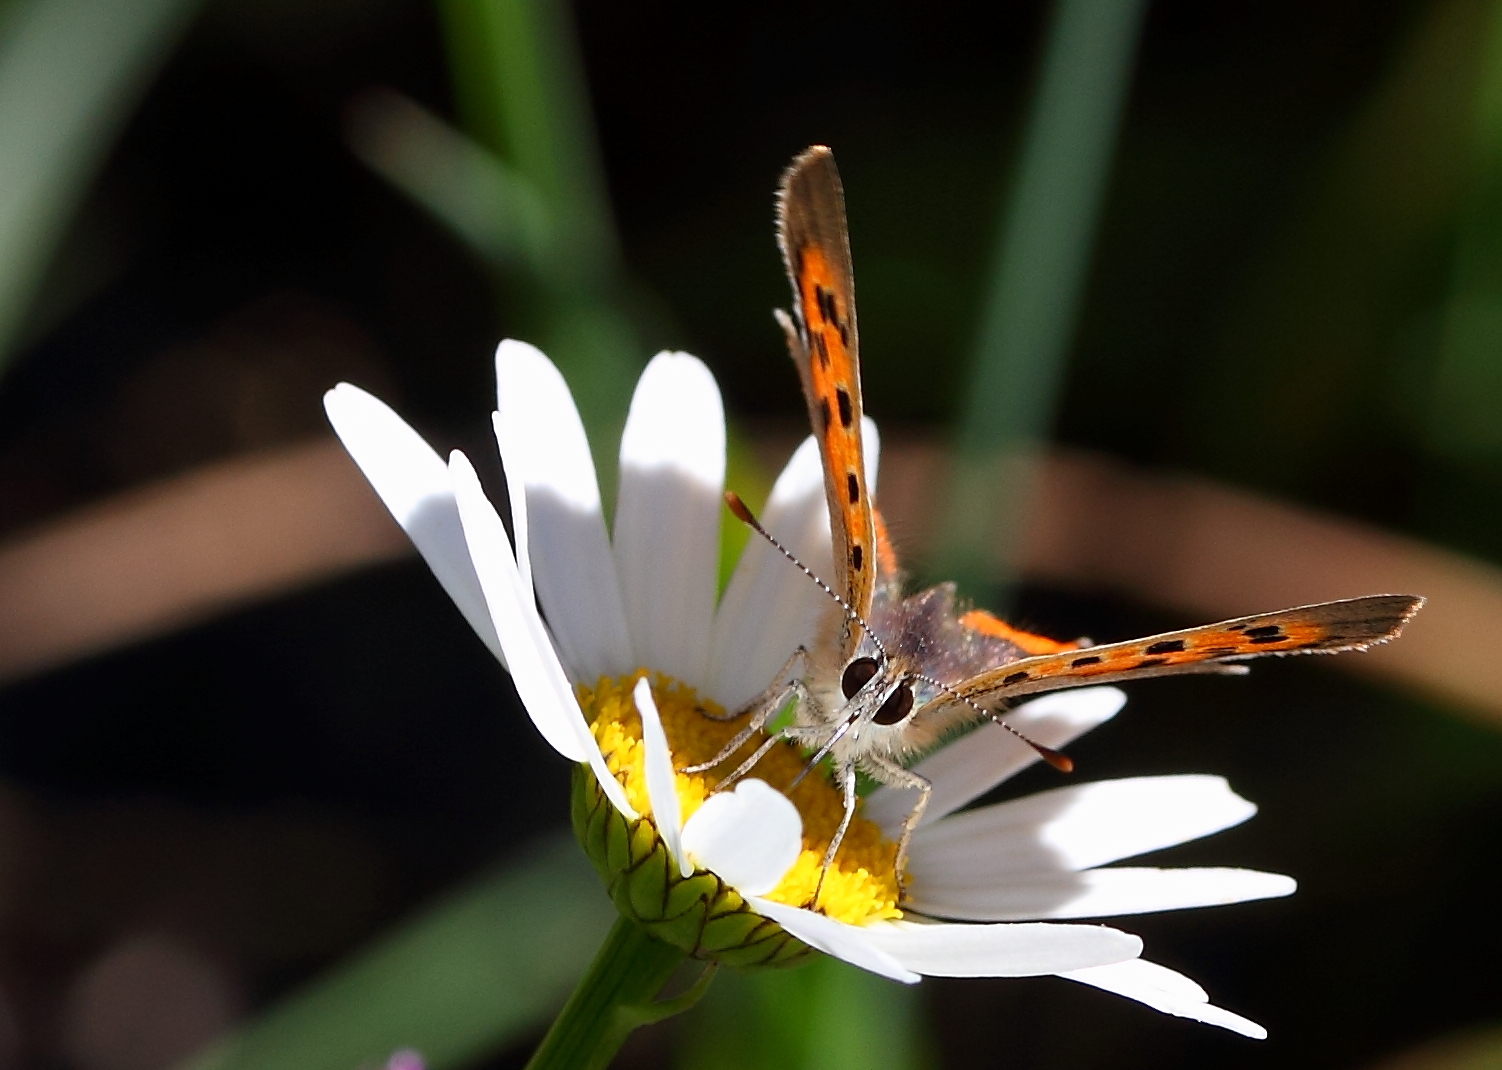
column 775, row 694
column 762, row 708
column 746, row 766
column 847, row 786
column 792, row 732
column 895, row 776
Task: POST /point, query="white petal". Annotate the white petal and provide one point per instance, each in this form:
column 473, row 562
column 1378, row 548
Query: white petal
column 667, row 517
column 770, row 608
column 750, row 837
column 414, row 484
column 845, row 942
column 661, row 790
column 971, row 766
column 575, row 575
column 871, row 450
column 1095, row 893
column 535, row 670
column 1076, row 828
column 945, row 950
column 513, row 463
column 1164, row 990
column 549, row 702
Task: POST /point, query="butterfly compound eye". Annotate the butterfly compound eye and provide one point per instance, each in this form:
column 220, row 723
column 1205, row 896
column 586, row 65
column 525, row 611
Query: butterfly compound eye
column 857, row 675
column 897, row 706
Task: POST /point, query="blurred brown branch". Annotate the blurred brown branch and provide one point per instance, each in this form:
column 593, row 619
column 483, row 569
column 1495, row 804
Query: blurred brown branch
column 178, row 552
column 182, row 550
column 1214, row 551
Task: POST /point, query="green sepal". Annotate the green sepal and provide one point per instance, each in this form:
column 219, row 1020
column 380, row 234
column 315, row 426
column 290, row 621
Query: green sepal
column 698, row 914
column 730, row 931
column 647, row 884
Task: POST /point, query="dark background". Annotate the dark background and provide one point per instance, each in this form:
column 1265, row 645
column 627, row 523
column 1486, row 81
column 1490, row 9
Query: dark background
column 274, row 787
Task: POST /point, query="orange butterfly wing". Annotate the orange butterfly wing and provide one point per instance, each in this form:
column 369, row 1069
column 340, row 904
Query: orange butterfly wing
column 1327, row 628
column 822, row 339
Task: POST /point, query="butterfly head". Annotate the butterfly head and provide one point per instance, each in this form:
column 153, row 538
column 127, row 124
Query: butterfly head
column 884, row 694
column 896, row 697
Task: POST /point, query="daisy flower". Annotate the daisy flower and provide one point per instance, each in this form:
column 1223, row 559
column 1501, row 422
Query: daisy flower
column 632, row 663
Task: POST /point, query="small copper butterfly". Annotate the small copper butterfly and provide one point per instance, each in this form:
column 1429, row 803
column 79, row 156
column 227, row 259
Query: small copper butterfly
column 898, row 673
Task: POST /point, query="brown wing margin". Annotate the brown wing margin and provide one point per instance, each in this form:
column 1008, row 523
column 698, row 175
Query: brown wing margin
column 823, row 341
column 1326, row 628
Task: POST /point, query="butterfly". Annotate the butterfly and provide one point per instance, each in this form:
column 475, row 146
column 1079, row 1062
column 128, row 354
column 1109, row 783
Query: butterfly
column 896, row 674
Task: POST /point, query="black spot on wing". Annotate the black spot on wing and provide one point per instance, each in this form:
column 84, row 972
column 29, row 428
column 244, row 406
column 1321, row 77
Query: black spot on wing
column 852, row 488
column 847, row 410
column 1166, row 646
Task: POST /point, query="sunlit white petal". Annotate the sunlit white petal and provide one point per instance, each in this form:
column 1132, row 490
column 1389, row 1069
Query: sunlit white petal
column 1077, row 827
column 539, row 678
column 666, row 536
column 1094, row 893
column 575, row 576
column 769, row 608
column 945, row 950
column 513, row 464
column 414, row 484
column 1167, row 991
column 661, row 791
column 750, row 836
column 871, row 450
column 835, row 938
column 968, row 768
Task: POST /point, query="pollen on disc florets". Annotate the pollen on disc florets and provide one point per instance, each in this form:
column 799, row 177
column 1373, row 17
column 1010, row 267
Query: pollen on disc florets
column 700, row 913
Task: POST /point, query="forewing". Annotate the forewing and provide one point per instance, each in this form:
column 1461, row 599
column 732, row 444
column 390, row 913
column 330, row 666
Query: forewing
column 822, row 339
column 1327, row 628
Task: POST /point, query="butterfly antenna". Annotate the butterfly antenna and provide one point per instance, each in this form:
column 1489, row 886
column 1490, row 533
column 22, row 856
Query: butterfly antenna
column 1058, row 759
column 745, row 516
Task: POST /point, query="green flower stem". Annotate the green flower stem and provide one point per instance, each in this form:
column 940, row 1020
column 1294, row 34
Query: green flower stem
column 612, row 999
column 1037, row 281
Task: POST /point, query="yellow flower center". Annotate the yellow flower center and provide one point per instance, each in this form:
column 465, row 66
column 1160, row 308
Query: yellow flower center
column 861, row 885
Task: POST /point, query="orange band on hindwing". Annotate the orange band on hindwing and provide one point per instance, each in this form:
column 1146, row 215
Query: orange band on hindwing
column 886, row 557
column 978, row 620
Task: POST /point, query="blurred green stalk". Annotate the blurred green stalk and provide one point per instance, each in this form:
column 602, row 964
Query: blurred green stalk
column 1465, row 421
column 1038, row 278
column 521, row 94
column 71, row 74
column 480, row 971
column 614, row 999
column 826, row 1015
